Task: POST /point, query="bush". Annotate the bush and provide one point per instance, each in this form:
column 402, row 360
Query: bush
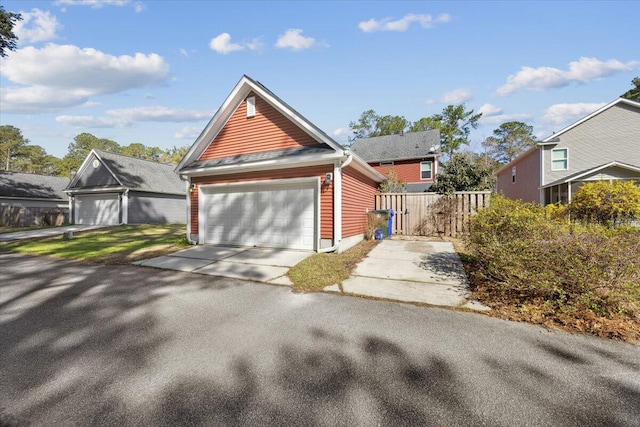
column 531, row 256
column 392, row 183
column 609, row 203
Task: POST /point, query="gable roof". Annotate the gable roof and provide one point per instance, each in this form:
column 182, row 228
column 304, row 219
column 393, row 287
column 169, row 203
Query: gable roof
column 629, row 102
column 135, row 174
column 586, row 172
column 327, row 149
column 32, row 186
column 412, row 145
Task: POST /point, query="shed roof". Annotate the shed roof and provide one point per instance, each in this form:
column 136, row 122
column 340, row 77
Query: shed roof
column 32, row 186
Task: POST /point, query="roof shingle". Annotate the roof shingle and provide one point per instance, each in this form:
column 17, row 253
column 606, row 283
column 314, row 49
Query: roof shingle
column 32, row 186
column 407, row 146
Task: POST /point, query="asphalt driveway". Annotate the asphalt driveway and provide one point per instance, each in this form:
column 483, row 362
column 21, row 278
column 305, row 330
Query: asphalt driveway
column 121, row 345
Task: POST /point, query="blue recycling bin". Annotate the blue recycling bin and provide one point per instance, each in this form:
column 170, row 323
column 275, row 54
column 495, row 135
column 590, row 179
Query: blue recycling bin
column 386, row 215
column 390, row 225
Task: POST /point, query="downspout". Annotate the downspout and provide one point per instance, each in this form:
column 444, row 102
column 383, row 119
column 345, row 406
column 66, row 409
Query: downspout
column 337, row 205
column 187, row 183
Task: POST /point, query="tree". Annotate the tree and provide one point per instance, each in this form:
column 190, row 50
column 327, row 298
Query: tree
column 11, row 142
column 371, row 124
column 35, row 159
column 8, row 40
column 141, row 151
column 509, row 140
column 79, row 149
column 392, row 183
column 634, row 93
column 465, row 172
column 454, row 123
column 174, row 155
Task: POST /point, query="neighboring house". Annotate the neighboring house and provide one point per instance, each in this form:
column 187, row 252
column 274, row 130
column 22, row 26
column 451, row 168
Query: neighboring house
column 604, row 145
column 111, row 189
column 414, row 156
column 24, row 197
column 261, row 174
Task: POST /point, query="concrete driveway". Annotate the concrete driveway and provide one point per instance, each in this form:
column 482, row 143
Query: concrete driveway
column 260, row 264
column 46, row 232
column 86, row 344
column 412, row 271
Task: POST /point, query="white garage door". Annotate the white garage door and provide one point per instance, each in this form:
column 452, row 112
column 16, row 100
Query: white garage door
column 102, row 209
column 279, row 215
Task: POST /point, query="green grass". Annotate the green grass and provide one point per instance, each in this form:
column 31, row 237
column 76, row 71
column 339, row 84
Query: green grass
column 115, row 245
column 322, row 270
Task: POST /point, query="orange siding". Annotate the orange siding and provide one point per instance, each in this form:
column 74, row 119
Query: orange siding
column 268, row 130
column 358, row 195
column 326, row 192
column 407, row 170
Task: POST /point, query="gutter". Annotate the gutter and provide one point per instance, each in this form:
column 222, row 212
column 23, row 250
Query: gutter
column 337, row 205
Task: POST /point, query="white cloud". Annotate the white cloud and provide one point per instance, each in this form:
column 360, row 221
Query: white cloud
column 188, row 132
column 341, row 132
column 255, row 44
column 124, row 117
column 58, row 76
column 582, row 70
column 559, row 114
column 222, row 44
column 293, row 39
column 95, row 4
column 36, row 26
column 455, row 96
column 139, row 7
column 495, row 115
column 403, row 24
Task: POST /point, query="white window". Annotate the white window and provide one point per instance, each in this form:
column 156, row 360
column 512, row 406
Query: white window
column 513, row 175
column 559, row 159
column 425, row 170
column 386, row 163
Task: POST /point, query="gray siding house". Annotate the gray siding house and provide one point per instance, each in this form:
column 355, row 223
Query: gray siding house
column 111, row 189
column 25, row 197
column 604, row 145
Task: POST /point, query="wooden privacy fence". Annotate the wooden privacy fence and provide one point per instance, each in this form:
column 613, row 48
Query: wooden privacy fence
column 19, row 216
column 430, row 214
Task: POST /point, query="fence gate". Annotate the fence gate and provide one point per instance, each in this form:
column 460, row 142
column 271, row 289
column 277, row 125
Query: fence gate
column 429, row 214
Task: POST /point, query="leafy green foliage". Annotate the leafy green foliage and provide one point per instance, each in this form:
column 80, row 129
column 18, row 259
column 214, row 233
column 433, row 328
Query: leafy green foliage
column 465, row 172
column 509, row 140
column 550, row 268
column 11, row 142
column 455, row 124
column 392, row 183
column 34, row 159
column 8, row 40
column 609, row 203
column 634, row 93
column 371, row 124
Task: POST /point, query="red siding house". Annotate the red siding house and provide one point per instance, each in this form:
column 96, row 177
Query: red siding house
column 260, row 174
column 413, row 156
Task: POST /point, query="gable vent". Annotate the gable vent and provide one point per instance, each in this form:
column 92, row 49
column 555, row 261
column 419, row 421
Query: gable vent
column 251, row 106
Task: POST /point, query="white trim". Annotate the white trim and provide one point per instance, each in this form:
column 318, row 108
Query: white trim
column 594, row 170
column 566, row 159
column 252, row 185
column 125, row 207
column 595, row 113
column 337, row 204
column 188, row 199
column 98, row 190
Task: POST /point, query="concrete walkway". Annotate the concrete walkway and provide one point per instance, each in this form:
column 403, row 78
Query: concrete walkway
column 412, row 271
column 46, row 232
column 259, row 264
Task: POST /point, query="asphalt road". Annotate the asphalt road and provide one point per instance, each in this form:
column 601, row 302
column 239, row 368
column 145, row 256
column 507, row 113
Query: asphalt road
column 124, row 345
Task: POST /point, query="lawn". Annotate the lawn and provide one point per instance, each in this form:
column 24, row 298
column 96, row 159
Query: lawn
column 322, row 270
column 114, row 245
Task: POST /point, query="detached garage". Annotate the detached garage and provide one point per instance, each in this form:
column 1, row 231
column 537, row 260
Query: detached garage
column 112, row 189
column 260, row 174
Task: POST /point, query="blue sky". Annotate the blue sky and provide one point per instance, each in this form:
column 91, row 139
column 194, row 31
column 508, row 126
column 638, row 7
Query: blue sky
column 156, row 71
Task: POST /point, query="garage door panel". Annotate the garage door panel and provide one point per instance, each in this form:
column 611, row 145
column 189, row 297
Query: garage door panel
column 274, row 215
column 103, row 209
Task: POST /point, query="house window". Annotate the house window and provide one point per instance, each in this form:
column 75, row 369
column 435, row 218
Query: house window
column 425, row 170
column 513, row 175
column 560, row 159
column 386, row 163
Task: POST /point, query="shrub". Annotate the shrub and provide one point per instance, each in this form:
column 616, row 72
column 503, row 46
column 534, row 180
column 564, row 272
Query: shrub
column 530, row 256
column 603, row 202
column 392, row 183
